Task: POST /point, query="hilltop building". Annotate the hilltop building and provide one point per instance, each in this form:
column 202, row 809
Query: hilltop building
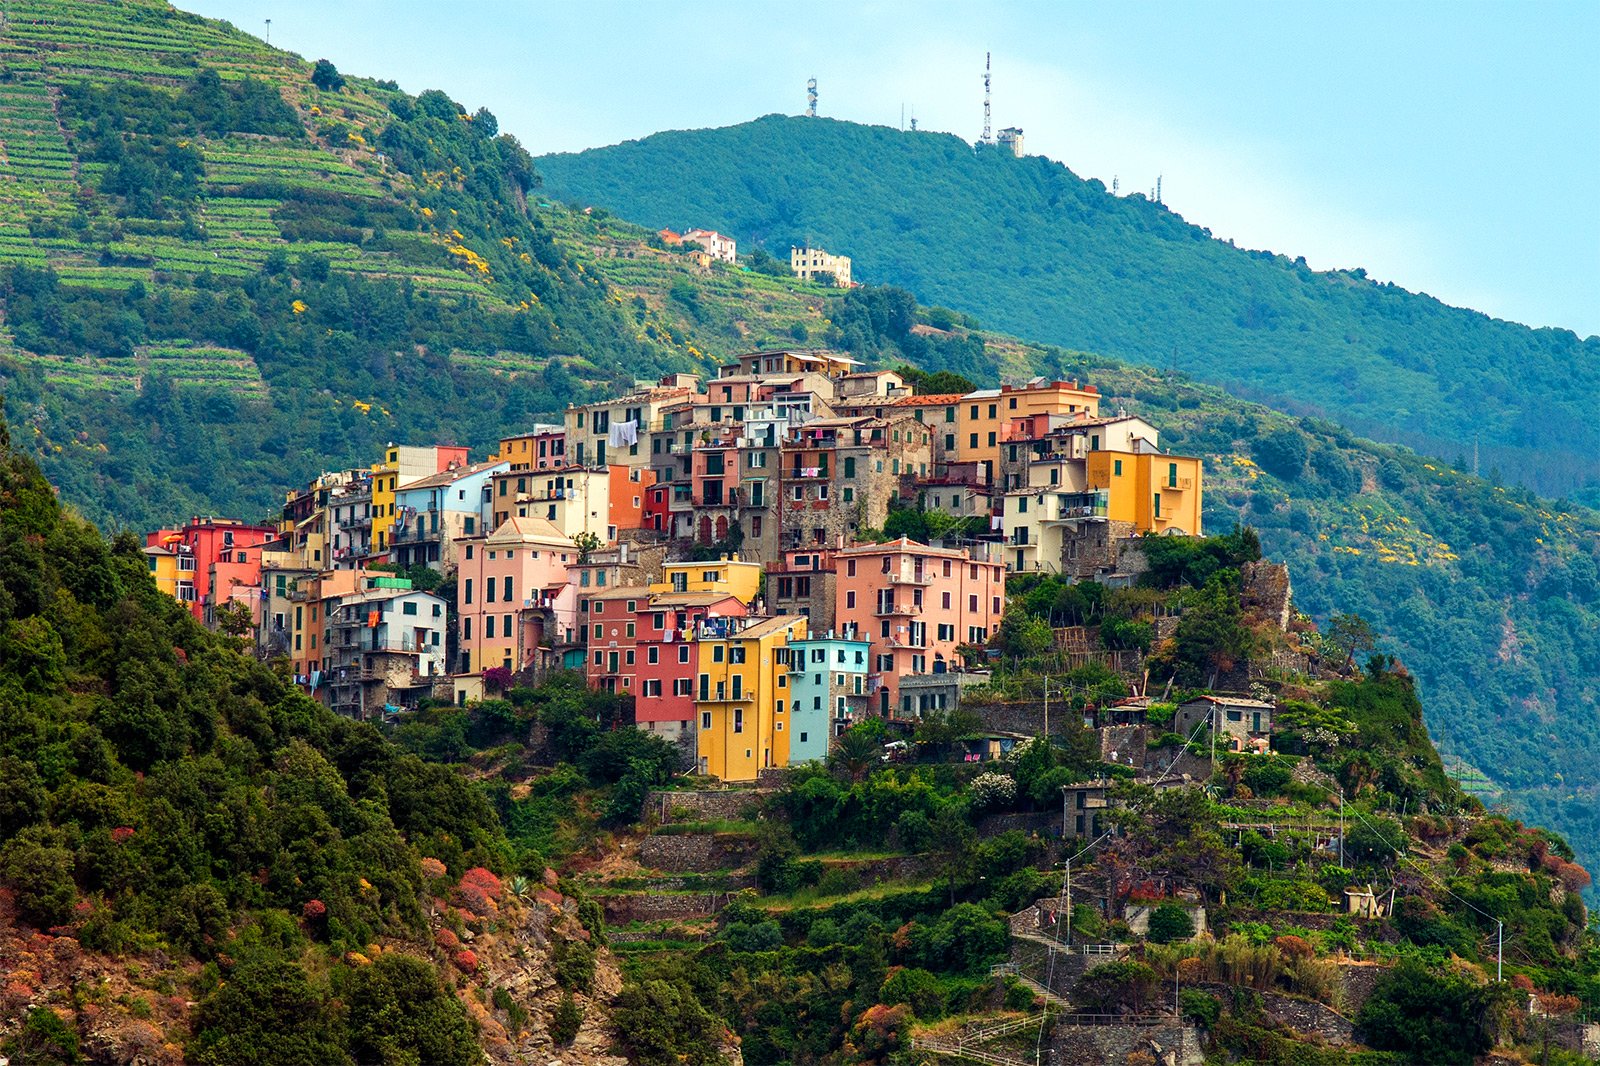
column 807, row 263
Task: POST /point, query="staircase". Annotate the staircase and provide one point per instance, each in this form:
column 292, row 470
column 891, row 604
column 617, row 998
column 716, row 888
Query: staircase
column 962, row 1051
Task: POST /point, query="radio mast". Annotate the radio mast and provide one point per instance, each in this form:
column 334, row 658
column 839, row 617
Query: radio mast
column 811, row 98
column 987, row 137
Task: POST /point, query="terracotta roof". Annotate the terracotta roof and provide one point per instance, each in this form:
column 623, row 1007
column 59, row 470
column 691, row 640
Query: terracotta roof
column 906, row 544
column 689, row 599
column 622, row 592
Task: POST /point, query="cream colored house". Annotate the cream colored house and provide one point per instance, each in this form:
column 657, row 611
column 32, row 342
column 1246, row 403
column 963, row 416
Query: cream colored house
column 807, row 263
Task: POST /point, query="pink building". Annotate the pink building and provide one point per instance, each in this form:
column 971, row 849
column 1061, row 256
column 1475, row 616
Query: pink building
column 916, row 605
column 505, row 577
column 668, row 657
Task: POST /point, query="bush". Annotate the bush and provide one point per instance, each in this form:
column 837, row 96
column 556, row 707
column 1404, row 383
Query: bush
column 1433, row 1016
column 1019, row 997
column 1199, row 1007
column 574, row 965
column 662, row 1022
column 399, row 1012
column 753, row 936
column 918, row 989
column 1170, row 922
column 1115, row 987
column 565, row 1020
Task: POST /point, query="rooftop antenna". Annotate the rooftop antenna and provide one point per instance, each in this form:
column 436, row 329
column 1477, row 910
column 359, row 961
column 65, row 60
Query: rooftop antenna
column 269, row 31
column 811, row 98
column 987, row 137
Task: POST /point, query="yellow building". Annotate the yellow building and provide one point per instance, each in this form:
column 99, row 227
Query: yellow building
column 742, row 695
column 1155, row 492
column 401, row 465
column 163, row 564
column 728, row 576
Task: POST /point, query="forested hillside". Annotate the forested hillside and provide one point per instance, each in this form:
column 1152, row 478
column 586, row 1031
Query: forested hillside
column 1034, row 250
column 199, row 863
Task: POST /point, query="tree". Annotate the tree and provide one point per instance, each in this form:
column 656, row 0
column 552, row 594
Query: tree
column 661, row 1022
column 267, row 1013
column 1351, row 633
column 326, row 77
column 587, row 544
column 855, row 751
column 1282, row 453
column 1170, row 922
column 234, row 619
column 401, row 1014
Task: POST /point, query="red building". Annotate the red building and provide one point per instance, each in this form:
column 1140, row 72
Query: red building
column 217, row 560
column 668, row 656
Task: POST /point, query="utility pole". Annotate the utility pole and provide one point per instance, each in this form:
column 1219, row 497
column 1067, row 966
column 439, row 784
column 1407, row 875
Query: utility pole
column 1047, row 710
column 1341, row 828
column 1069, row 905
column 1499, row 945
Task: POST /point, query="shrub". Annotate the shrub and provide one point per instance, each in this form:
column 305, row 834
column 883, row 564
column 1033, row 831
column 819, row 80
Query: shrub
column 918, row 989
column 574, row 965
column 1202, row 1008
column 753, row 936
column 992, row 791
column 565, row 1020
column 466, row 960
column 1433, row 1016
column 1019, row 997
column 1114, row 987
column 399, row 1011
column 1169, row 922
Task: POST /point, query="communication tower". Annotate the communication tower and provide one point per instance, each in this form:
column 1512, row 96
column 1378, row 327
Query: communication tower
column 811, row 98
column 1116, row 185
column 987, row 138
column 1158, row 188
column 269, row 31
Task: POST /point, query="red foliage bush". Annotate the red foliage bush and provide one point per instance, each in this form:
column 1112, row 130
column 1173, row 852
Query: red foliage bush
column 1294, row 947
column 447, row 940
column 1552, row 863
column 1574, row 878
column 1522, row 981
column 485, row 880
column 314, row 910
column 122, row 834
column 465, row 961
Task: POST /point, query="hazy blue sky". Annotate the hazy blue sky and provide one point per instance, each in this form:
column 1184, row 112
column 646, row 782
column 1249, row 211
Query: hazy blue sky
column 1451, row 147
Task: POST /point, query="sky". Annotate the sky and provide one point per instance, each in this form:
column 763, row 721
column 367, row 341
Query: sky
column 1449, row 146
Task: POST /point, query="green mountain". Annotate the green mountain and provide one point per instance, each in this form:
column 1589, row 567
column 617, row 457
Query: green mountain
column 347, row 266
column 1036, row 251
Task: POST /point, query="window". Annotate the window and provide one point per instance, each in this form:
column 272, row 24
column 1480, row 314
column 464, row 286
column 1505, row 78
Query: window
column 849, row 494
column 682, row 686
column 598, row 630
column 505, row 593
column 652, row 688
column 1116, row 468
column 738, row 719
column 466, row 629
column 488, row 590
column 949, row 414
column 1157, row 505
column 652, row 656
column 466, row 591
column 628, row 629
column 488, row 627
column 850, row 466
column 683, row 653
column 974, row 442
column 705, row 720
column 945, row 596
column 629, row 657
column 972, row 604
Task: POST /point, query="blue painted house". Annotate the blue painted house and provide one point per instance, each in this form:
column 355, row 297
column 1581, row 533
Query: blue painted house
column 827, row 690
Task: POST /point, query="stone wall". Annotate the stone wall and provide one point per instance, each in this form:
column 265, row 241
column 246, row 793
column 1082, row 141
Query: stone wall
column 1044, row 823
column 1137, row 915
column 694, row 852
column 1356, row 982
column 659, row 907
column 1096, row 1045
column 727, row 805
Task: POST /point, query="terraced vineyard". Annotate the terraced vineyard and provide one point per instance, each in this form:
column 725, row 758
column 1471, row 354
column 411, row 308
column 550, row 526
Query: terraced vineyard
column 44, row 219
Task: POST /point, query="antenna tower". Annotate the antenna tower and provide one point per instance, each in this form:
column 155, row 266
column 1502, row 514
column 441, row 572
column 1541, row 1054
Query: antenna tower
column 987, row 136
column 811, row 98
column 269, row 31
column 1116, row 185
column 1158, row 188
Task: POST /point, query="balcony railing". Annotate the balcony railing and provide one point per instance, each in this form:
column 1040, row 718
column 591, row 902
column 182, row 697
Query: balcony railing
column 886, row 610
column 1181, row 484
column 896, row 578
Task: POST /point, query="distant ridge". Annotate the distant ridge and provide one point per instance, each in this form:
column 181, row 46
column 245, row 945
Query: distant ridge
column 1031, row 248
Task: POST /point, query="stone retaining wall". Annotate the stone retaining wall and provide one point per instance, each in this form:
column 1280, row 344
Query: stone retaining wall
column 727, row 805
column 694, row 852
column 1096, row 1045
column 656, row 907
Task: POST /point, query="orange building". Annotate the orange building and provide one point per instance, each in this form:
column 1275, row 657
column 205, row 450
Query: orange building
column 630, row 494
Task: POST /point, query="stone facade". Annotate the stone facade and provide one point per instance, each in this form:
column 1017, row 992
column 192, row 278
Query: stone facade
column 630, row 907
column 1267, row 592
column 1138, row 915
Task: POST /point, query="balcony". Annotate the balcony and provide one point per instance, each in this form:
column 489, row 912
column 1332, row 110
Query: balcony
column 910, row 579
column 1180, row 484
column 889, row 610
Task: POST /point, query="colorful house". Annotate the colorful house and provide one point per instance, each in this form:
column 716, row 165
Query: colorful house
column 1157, row 493
column 729, row 575
column 402, row 464
column 214, row 560
column 501, row 580
column 668, row 657
column 916, row 605
column 432, row 513
column 741, row 695
column 827, row 692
